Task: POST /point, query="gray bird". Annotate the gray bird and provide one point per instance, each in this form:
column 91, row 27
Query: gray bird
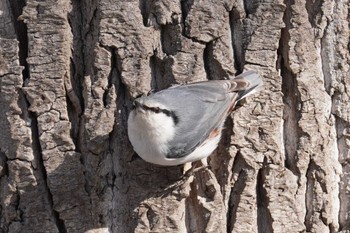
column 183, row 123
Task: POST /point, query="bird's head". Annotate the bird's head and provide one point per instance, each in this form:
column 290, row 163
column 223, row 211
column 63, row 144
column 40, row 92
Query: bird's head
column 149, row 107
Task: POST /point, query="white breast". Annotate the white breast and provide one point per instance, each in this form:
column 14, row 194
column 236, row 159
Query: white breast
column 201, row 152
column 149, row 133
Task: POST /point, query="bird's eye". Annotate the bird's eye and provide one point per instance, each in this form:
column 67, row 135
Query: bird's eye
column 157, row 110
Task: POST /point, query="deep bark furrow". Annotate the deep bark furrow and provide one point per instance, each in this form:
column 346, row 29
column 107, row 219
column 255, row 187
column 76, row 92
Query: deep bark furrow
column 22, row 36
column 236, row 26
column 239, row 169
column 111, row 79
column 264, row 220
column 144, row 6
column 206, row 59
column 185, row 8
column 74, row 81
column 155, row 72
column 291, row 100
column 41, row 167
column 250, row 6
column 309, row 196
column 343, row 148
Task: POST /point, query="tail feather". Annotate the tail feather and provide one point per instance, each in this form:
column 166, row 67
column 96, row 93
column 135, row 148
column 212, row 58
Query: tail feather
column 255, row 81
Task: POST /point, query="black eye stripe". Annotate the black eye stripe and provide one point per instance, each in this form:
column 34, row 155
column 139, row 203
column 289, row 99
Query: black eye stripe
column 175, row 118
column 165, row 111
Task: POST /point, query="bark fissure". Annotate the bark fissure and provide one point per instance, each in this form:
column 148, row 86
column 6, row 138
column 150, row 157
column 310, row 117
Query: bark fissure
column 22, row 36
column 314, row 8
column 224, row 156
column 74, row 119
column 264, row 221
column 86, row 31
column 250, row 6
column 206, row 59
column 291, row 113
column 41, row 166
column 236, row 26
column 74, row 81
column 291, row 99
column 78, row 51
column 185, row 8
column 111, row 77
column 343, row 135
column 326, row 56
column 156, row 72
column 4, row 169
column 239, row 166
column 123, row 101
column 196, row 213
column 118, row 147
column 17, row 203
column 255, row 64
column 309, row 196
column 144, row 6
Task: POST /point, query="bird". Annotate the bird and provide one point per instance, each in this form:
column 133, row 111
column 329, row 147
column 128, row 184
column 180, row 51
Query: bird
column 184, row 123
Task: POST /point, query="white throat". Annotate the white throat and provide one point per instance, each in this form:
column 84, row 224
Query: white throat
column 149, row 133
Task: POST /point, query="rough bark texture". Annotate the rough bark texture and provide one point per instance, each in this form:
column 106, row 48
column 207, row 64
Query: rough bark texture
column 69, row 71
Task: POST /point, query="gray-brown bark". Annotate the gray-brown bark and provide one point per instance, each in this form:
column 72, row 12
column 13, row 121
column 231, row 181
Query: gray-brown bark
column 69, row 71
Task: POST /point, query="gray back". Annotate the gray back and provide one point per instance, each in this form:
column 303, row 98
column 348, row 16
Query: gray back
column 200, row 107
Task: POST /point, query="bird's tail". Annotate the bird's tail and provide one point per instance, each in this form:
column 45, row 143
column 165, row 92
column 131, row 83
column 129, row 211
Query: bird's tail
column 255, row 84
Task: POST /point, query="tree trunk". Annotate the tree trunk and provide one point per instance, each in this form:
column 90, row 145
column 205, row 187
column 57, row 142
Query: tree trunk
column 69, row 71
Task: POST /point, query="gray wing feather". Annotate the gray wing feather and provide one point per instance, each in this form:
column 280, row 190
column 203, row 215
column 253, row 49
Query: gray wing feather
column 255, row 83
column 201, row 107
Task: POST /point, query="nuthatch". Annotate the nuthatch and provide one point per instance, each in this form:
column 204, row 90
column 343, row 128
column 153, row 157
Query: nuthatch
column 184, row 123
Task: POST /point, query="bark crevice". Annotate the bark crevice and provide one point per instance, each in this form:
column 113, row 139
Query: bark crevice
column 22, row 35
column 41, row 167
column 314, row 8
column 185, row 8
column 239, row 167
column 264, row 219
column 291, row 99
column 206, row 59
column 145, row 7
column 4, row 169
column 236, row 26
column 250, row 6
column 309, row 196
column 326, row 59
column 156, row 72
column 343, row 136
column 74, row 81
column 111, row 79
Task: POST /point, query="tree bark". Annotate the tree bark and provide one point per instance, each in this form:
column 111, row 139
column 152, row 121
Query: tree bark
column 69, row 71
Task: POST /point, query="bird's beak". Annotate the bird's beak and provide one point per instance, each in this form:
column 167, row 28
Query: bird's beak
column 139, row 107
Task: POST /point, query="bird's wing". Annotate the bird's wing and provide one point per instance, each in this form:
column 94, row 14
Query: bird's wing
column 201, row 107
column 212, row 91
